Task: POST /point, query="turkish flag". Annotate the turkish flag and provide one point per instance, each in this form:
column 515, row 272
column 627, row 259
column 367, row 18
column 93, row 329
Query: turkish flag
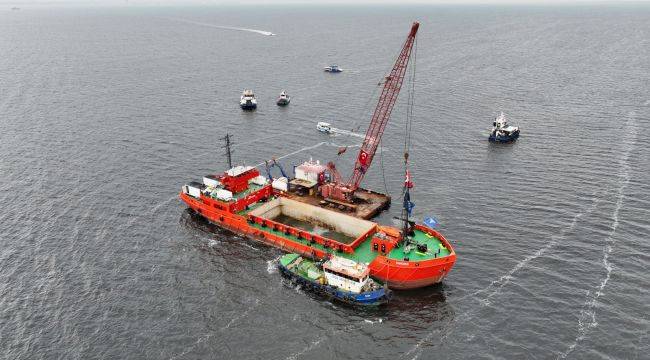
column 363, row 158
column 408, row 182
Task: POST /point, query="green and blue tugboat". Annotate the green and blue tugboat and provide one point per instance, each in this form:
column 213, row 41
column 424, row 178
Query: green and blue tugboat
column 337, row 278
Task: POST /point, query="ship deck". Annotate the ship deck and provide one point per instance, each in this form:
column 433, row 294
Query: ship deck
column 364, row 253
column 369, row 203
column 435, row 249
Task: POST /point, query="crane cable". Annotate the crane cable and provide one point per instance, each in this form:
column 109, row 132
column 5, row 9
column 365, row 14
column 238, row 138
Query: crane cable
column 410, row 105
column 407, row 138
column 409, row 121
column 409, row 111
column 366, row 110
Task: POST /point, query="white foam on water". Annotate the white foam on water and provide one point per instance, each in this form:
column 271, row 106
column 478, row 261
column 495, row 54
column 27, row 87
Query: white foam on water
column 204, row 338
column 495, row 286
column 347, row 132
column 272, row 265
column 587, row 319
column 256, row 31
column 311, row 147
column 297, row 151
column 249, row 246
column 213, row 243
column 331, row 333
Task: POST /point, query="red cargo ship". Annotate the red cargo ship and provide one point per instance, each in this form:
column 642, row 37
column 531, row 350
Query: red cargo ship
column 246, row 203
column 317, row 213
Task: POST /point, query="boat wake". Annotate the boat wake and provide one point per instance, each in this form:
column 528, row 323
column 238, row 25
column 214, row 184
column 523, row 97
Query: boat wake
column 311, row 147
column 333, row 332
column 204, row 338
column 272, row 265
column 587, row 319
column 297, row 151
column 346, row 132
column 261, row 32
column 495, row 287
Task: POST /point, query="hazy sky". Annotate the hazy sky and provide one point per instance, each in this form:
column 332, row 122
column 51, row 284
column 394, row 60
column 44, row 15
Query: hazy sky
column 305, row 2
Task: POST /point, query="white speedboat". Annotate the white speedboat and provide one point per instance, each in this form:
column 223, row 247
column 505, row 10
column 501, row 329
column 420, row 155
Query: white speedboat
column 248, row 101
column 333, row 69
column 324, row 127
column 283, row 99
column 502, row 132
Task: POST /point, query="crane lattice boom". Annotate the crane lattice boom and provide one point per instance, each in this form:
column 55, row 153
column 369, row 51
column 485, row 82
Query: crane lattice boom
column 392, row 85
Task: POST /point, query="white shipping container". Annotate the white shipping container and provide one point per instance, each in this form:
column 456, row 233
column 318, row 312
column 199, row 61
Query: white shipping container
column 193, row 191
column 211, row 182
column 281, row 184
column 223, row 194
column 259, row 180
column 238, row 170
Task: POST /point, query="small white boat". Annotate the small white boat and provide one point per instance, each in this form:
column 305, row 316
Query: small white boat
column 283, row 99
column 333, row 69
column 248, row 101
column 502, row 132
column 324, row 127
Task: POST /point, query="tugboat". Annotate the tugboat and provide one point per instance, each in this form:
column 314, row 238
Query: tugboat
column 333, row 69
column 502, row 132
column 337, row 278
column 324, row 127
column 248, row 101
column 283, row 99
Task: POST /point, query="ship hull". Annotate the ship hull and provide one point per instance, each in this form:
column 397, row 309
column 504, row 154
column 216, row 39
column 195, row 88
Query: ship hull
column 403, row 275
column 397, row 274
column 369, row 298
column 504, row 139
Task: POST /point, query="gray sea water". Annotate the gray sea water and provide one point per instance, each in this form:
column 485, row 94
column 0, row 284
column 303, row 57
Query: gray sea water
column 106, row 112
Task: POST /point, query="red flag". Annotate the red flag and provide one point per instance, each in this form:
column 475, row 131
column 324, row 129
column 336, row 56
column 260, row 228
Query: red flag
column 408, row 182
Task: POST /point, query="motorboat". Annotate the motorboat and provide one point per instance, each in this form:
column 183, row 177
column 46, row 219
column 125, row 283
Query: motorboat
column 502, row 132
column 248, row 101
column 333, row 69
column 283, row 99
column 324, row 127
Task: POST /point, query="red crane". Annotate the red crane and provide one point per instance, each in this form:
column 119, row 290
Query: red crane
column 392, row 85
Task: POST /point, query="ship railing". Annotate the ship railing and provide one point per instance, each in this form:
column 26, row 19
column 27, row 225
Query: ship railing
column 325, row 242
column 354, row 244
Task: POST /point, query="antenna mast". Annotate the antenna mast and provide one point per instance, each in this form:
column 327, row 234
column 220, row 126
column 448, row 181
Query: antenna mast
column 228, row 150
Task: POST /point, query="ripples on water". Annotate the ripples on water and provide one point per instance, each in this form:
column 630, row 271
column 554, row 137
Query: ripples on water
column 105, row 113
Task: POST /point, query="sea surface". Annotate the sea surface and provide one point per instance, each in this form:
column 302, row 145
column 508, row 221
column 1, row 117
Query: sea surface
column 106, row 112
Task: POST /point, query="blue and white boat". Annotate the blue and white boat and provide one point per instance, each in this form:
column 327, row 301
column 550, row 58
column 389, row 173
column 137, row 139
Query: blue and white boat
column 248, row 101
column 338, row 278
column 502, row 132
column 333, row 69
column 324, row 127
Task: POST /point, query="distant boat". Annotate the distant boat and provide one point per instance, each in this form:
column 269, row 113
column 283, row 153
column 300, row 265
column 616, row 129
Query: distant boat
column 502, row 132
column 333, row 69
column 338, row 278
column 15, row 8
column 248, row 101
column 324, row 127
column 283, row 99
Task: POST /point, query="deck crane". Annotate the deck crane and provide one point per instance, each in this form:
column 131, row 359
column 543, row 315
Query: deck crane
column 343, row 191
column 269, row 166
